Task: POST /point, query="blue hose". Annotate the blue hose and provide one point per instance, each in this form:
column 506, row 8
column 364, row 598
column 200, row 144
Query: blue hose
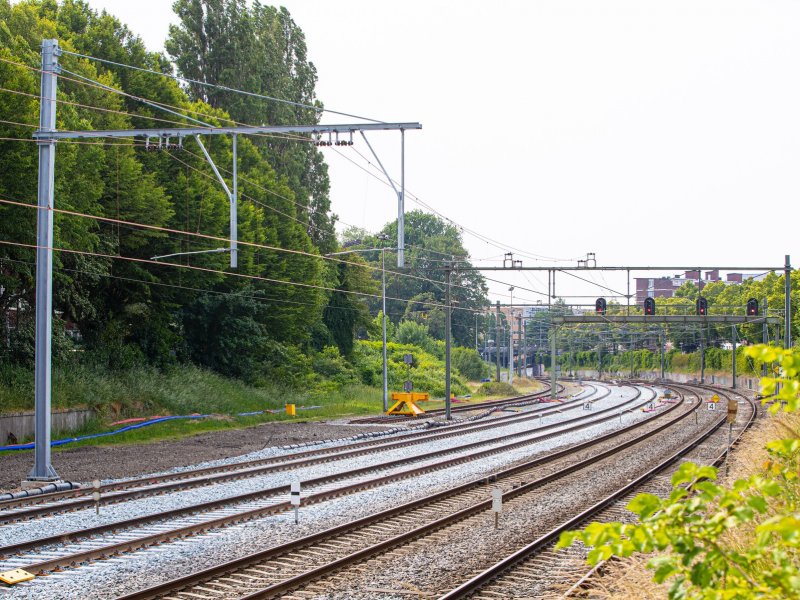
column 31, row 445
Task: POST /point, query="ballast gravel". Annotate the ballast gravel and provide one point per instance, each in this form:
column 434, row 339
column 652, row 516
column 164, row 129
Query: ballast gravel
column 109, row 579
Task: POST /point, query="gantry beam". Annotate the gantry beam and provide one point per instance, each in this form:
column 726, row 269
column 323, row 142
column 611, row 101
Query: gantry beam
column 665, row 319
column 180, row 132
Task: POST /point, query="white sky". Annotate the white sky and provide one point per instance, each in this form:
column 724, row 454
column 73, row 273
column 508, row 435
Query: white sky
column 651, row 133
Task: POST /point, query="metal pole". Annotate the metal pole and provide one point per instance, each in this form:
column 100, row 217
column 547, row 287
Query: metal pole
column 519, row 345
column 497, row 340
column 42, row 469
column 600, row 359
column 525, row 349
column 628, row 295
column 449, row 309
column 401, row 199
column 553, row 333
column 234, row 199
column 662, row 343
column 764, row 336
column 787, row 328
column 511, row 338
column 549, row 286
column 383, row 299
column 733, row 337
column 702, row 356
column 632, row 357
column 476, row 332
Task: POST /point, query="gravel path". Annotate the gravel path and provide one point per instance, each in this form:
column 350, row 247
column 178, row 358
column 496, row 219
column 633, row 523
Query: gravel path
column 115, row 462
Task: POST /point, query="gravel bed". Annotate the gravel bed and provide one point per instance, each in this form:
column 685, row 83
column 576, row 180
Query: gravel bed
column 107, row 462
column 108, row 579
column 439, row 563
column 20, row 532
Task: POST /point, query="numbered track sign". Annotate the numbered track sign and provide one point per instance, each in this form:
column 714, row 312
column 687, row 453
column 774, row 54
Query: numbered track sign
column 497, row 500
column 733, row 408
column 712, row 406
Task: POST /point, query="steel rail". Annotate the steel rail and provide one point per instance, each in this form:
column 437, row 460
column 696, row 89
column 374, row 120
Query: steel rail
column 271, row 553
column 490, row 404
column 274, row 508
column 191, row 473
column 262, row 467
column 716, row 462
column 498, row 569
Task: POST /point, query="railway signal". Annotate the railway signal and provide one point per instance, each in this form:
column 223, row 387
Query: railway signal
column 600, row 306
column 701, row 306
column 752, row 307
column 649, row 306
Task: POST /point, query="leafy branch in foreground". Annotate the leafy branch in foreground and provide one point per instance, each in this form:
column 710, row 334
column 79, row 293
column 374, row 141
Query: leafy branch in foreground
column 718, row 542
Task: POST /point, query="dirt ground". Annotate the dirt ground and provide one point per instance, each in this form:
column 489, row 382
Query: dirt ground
column 110, row 462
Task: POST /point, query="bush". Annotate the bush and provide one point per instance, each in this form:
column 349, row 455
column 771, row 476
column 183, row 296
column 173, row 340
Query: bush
column 469, row 363
column 427, row 372
column 497, row 388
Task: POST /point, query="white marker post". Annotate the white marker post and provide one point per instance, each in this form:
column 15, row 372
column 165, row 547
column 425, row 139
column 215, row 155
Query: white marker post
column 96, row 495
column 497, row 505
column 296, row 500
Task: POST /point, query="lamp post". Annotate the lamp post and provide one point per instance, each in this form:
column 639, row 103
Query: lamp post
column 382, row 237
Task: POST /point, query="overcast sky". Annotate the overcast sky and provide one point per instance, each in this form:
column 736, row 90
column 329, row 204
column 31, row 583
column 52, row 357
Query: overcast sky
column 650, row 133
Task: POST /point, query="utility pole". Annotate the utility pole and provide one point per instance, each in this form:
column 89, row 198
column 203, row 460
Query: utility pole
column 632, row 357
column 702, row 356
column 476, row 332
column 449, row 308
column 525, row 348
column 787, row 328
column 497, row 340
column 764, row 336
column 553, row 334
column 600, row 359
column 519, row 344
column 42, row 468
column 383, row 300
column 511, row 337
column 733, row 338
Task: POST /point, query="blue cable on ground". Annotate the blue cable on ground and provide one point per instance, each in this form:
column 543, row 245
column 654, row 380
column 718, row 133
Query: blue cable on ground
column 31, row 445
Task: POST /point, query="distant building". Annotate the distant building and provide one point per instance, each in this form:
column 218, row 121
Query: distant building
column 664, row 287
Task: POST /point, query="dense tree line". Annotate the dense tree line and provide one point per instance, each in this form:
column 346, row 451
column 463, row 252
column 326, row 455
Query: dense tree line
column 244, row 322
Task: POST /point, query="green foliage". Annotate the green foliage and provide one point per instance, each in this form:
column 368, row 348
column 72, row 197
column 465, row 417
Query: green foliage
column 414, row 334
column 427, row 372
column 469, row 363
column 497, row 388
column 689, row 530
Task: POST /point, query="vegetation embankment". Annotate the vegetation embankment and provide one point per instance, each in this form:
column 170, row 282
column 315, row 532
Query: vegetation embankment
column 190, row 334
column 714, row 537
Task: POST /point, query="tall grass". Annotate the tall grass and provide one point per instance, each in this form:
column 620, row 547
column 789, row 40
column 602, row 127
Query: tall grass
column 144, row 392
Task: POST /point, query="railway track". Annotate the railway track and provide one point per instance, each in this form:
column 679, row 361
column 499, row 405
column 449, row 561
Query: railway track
column 437, row 412
column 17, row 509
column 201, row 518
column 522, row 574
column 157, row 484
column 273, row 572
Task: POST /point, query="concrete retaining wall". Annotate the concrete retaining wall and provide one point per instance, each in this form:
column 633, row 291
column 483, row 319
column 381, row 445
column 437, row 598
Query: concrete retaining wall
column 22, row 424
column 743, row 383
